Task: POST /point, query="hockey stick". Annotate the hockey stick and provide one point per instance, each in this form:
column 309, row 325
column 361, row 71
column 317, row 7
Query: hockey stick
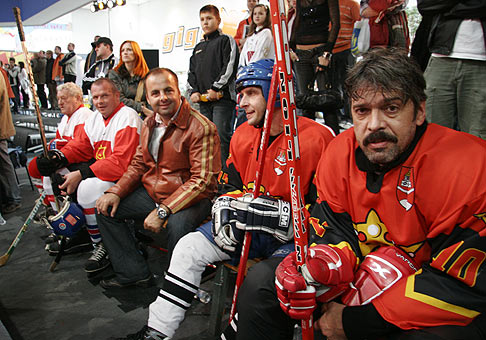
column 59, row 255
column 287, row 98
column 256, row 188
column 38, row 203
column 20, row 28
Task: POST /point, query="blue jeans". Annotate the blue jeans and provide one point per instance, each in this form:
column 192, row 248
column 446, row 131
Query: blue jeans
column 456, row 95
column 221, row 113
column 118, row 238
column 8, row 182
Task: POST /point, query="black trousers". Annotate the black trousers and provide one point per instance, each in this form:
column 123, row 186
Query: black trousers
column 69, row 78
column 41, row 93
column 260, row 316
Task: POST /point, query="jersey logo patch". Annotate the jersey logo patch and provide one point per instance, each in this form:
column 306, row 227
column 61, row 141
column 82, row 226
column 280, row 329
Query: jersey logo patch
column 406, row 188
column 319, row 228
column 280, row 162
column 100, row 153
column 373, row 234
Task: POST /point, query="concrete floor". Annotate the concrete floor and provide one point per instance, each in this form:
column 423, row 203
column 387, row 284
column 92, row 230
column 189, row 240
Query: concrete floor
column 65, row 304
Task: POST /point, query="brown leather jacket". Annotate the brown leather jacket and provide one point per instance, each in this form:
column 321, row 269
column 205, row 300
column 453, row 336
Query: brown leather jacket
column 188, row 164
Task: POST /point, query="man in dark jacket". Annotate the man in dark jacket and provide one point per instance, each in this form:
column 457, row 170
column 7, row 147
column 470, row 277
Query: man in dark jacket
column 456, row 96
column 91, row 57
column 38, row 63
column 212, row 73
column 104, row 63
column 51, row 83
column 169, row 183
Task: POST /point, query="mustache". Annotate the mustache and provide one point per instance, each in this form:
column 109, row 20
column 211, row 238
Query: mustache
column 379, row 136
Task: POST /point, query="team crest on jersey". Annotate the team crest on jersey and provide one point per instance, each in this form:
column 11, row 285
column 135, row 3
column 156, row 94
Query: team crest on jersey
column 406, row 188
column 280, row 162
column 373, row 233
column 100, row 153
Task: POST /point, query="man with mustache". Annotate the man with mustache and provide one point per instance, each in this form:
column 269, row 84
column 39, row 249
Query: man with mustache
column 398, row 240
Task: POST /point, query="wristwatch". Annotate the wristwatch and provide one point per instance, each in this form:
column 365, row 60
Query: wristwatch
column 327, row 55
column 162, row 212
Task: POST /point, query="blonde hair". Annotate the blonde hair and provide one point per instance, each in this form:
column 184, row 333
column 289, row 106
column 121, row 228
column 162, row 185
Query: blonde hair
column 72, row 89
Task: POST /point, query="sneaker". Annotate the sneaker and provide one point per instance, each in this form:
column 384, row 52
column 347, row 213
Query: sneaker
column 146, row 333
column 149, row 281
column 10, row 208
column 79, row 243
column 98, row 260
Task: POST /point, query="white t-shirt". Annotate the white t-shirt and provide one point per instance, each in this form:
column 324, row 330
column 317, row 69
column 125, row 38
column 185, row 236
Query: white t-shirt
column 469, row 43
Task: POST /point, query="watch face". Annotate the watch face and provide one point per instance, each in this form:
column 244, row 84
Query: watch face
column 161, row 213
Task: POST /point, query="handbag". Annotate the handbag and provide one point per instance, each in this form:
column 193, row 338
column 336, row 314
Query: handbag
column 323, row 100
column 360, row 39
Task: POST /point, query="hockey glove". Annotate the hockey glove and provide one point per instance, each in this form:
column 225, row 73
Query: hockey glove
column 379, row 271
column 266, row 214
column 326, row 269
column 55, row 160
column 297, row 299
column 224, row 230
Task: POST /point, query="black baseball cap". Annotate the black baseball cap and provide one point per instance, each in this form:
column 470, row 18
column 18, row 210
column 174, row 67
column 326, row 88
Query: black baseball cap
column 104, row 40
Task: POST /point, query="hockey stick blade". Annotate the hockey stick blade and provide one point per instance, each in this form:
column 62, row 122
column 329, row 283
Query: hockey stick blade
column 4, row 258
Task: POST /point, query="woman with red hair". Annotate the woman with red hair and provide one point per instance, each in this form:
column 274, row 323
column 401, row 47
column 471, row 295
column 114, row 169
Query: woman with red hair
column 128, row 75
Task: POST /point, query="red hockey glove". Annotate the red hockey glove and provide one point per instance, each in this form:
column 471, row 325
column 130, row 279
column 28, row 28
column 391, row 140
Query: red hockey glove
column 326, row 269
column 379, row 271
column 297, row 299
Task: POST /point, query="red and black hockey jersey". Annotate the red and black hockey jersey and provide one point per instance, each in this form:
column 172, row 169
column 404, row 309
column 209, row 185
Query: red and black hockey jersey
column 112, row 142
column 431, row 204
column 239, row 173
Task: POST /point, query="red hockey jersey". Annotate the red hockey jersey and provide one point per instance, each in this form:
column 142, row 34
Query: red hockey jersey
column 112, row 142
column 239, row 174
column 432, row 205
column 72, row 127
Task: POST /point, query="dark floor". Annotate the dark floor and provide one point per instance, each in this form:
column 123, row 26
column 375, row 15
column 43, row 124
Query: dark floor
column 38, row 304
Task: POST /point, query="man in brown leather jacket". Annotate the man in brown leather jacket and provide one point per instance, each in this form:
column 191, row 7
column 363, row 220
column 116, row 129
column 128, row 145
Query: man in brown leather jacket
column 169, row 184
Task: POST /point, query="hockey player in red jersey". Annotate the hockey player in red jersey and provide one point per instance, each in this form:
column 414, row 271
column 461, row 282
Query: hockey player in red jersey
column 105, row 146
column 220, row 240
column 70, row 98
column 398, row 240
